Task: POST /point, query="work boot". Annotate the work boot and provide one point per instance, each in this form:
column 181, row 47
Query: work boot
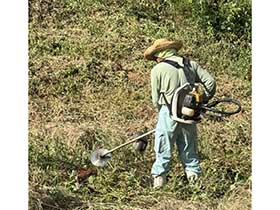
column 159, row 181
column 192, row 176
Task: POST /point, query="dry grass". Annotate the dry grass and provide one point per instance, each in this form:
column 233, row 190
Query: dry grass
column 89, row 87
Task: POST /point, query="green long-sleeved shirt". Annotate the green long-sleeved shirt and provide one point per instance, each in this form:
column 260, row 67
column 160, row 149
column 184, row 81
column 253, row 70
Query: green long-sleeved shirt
column 166, row 78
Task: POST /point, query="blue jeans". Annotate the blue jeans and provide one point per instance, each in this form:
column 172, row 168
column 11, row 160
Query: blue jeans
column 167, row 133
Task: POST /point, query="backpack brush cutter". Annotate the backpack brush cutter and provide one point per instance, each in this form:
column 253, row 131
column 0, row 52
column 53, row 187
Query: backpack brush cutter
column 190, row 111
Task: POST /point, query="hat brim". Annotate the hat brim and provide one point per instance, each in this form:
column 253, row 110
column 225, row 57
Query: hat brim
column 155, row 48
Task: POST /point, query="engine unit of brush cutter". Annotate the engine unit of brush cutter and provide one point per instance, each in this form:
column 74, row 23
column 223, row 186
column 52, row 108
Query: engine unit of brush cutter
column 185, row 104
column 191, row 105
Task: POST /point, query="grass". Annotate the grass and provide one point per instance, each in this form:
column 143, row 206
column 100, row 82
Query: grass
column 89, row 88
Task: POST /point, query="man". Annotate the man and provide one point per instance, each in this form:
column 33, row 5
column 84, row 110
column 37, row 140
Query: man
column 165, row 78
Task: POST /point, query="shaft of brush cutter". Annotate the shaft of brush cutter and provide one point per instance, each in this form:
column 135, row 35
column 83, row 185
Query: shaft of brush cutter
column 129, row 142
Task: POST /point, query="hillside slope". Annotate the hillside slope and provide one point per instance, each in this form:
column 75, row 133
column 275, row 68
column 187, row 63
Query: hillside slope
column 89, row 88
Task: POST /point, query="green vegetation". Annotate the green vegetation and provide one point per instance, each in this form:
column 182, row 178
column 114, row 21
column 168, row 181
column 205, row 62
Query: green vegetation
column 89, row 88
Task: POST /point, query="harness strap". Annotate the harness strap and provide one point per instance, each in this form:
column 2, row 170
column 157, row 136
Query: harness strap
column 166, row 103
column 175, row 64
column 186, row 67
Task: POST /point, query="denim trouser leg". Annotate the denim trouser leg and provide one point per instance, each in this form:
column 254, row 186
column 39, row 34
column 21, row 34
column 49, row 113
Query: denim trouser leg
column 164, row 141
column 167, row 133
column 187, row 147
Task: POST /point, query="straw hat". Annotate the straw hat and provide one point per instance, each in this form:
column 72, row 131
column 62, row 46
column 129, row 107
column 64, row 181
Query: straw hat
column 159, row 45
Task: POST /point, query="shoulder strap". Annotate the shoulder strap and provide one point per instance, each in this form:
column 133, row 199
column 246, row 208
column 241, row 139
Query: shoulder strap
column 186, row 67
column 173, row 63
column 186, row 62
